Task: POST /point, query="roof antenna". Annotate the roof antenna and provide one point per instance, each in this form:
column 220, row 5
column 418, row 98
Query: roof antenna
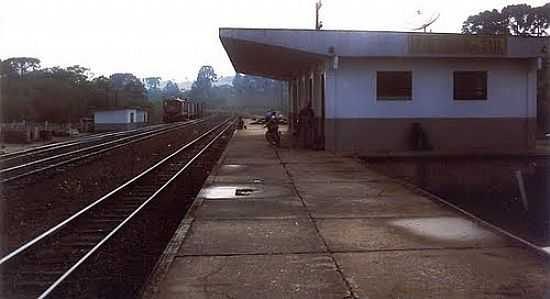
column 318, row 24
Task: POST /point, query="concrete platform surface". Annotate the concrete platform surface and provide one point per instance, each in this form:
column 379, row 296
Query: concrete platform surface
column 289, row 223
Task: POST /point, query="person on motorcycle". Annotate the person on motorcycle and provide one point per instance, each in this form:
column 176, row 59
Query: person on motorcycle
column 268, row 116
column 272, row 133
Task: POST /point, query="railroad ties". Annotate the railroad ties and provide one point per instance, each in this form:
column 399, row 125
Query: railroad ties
column 38, row 161
column 76, row 257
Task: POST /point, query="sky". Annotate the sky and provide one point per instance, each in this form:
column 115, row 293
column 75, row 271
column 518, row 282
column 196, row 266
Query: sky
column 172, row 39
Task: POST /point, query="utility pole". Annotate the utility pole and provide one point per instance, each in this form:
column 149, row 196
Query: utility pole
column 318, row 24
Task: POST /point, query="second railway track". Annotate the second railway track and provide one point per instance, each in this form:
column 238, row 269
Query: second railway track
column 50, row 148
column 49, row 263
column 33, row 162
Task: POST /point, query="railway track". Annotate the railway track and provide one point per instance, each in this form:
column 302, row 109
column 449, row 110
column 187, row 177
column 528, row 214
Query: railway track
column 51, row 147
column 23, row 164
column 47, row 264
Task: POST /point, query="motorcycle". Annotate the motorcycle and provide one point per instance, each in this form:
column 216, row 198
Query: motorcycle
column 272, row 134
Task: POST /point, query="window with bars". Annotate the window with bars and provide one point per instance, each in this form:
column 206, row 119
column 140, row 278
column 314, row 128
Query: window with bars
column 394, row 86
column 470, row 85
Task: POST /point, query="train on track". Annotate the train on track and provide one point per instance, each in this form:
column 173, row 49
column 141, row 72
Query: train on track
column 181, row 109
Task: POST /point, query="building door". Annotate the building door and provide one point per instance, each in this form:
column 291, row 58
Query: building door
column 132, row 117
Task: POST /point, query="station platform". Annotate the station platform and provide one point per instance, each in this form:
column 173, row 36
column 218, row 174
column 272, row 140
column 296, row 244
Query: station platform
column 290, row 223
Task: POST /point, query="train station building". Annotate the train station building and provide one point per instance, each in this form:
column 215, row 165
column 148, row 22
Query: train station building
column 397, row 91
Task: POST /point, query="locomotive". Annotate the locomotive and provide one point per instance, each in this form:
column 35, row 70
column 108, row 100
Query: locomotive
column 181, row 109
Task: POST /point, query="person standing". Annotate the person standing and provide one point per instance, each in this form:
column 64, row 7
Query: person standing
column 306, row 118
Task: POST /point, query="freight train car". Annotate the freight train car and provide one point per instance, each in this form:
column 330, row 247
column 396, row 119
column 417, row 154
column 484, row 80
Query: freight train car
column 181, row 109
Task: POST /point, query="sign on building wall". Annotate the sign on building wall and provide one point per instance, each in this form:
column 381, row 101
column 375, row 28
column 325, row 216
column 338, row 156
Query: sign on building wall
column 457, row 45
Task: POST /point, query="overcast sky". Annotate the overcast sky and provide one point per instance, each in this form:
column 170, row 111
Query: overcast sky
column 173, row 38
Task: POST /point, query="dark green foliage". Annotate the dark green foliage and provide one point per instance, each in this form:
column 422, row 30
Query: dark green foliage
column 171, row 89
column 128, row 90
column 540, row 20
column 154, row 93
column 252, row 91
column 205, row 78
column 248, row 92
column 202, row 89
column 58, row 94
column 487, row 22
column 152, row 82
column 19, row 66
column 519, row 19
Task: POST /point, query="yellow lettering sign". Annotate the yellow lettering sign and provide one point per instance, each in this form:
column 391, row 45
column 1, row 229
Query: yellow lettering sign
column 457, row 45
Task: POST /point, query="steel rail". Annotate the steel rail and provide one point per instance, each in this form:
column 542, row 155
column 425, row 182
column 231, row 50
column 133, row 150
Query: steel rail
column 132, row 139
column 44, row 147
column 62, row 224
column 59, row 145
column 7, row 169
column 83, row 259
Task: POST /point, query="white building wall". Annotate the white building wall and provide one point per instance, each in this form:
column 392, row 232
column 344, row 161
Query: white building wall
column 118, row 116
column 140, row 116
column 112, row 117
column 351, row 89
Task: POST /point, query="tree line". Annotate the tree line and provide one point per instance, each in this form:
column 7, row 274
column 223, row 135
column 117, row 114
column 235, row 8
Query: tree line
column 66, row 94
column 245, row 91
column 62, row 94
column 518, row 19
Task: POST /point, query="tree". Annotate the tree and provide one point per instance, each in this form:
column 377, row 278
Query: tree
column 257, row 92
column 153, row 91
column 101, row 92
column 74, row 75
column 171, row 89
column 61, row 94
column 520, row 19
column 19, row 66
column 205, row 78
column 121, row 80
column 540, row 20
column 128, row 90
column 487, row 22
column 202, row 87
column 152, row 82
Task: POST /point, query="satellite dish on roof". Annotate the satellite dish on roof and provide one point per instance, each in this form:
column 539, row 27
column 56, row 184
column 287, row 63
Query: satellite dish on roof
column 424, row 26
column 422, row 19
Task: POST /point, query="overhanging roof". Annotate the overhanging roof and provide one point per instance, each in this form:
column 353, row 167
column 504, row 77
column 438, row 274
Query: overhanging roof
column 272, row 61
column 283, row 53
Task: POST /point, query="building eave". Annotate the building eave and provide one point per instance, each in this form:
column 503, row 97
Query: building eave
column 281, row 53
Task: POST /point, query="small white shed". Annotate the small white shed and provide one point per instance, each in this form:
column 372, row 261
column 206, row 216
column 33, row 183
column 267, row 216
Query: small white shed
column 119, row 119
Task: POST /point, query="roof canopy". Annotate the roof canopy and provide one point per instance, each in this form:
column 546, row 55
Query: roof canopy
column 273, row 61
column 284, row 53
